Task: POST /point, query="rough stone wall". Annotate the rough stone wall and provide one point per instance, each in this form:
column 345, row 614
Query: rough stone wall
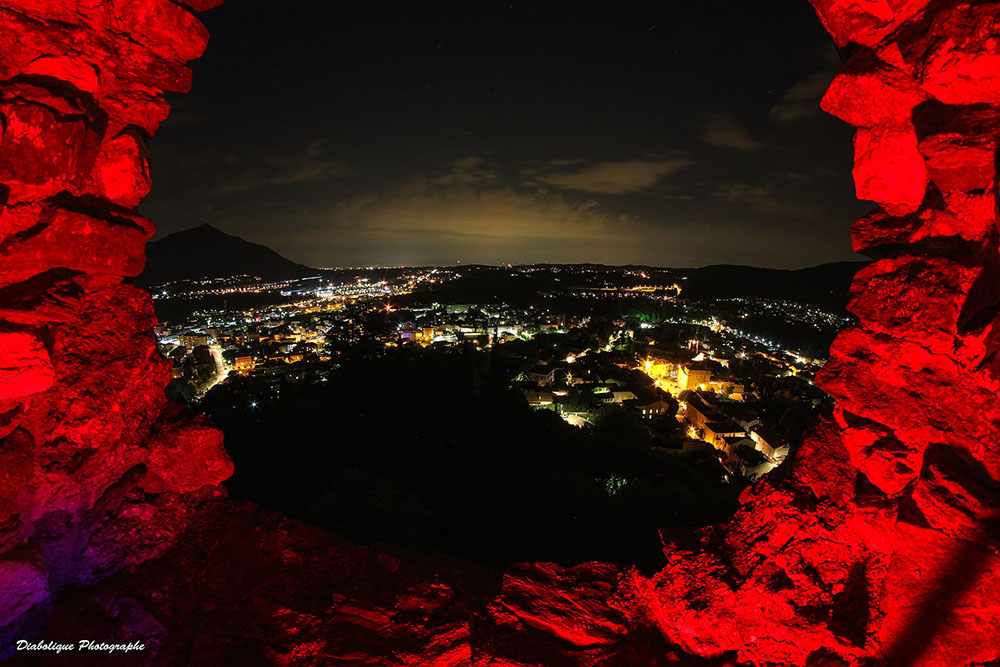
column 880, row 541
column 97, row 472
column 876, row 544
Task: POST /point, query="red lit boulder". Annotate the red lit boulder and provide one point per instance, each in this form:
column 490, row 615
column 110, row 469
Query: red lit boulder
column 925, row 297
column 888, row 168
column 865, row 22
column 957, row 56
column 940, row 601
column 42, row 154
column 569, row 605
column 16, row 466
column 275, row 591
column 81, row 381
column 914, row 392
column 869, row 93
column 25, row 367
column 957, row 497
column 884, row 461
column 954, row 166
column 48, row 298
column 201, row 5
column 959, row 145
column 186, row 454
column 66, row 239
column 962, row 229
column 876, row 538
column 82, row 75
column 139, row 106
column 167, row 29
column 121, row 171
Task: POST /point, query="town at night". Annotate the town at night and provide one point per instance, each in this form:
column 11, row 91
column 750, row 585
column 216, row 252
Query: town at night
column 581, row 341
column 506, row 333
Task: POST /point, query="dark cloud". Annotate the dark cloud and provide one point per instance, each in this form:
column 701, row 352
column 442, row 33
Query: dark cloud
column 612, row 177
column 469, row 170
column 761, row 199
column 724, row 130
column 801, row 101
column 265, row 171
column 306, row 170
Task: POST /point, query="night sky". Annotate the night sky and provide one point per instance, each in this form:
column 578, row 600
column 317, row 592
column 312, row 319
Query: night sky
column 661, row 133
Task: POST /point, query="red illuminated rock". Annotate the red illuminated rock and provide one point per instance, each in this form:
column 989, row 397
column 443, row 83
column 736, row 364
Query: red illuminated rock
column 956, row 53
column 186, row 454
column 132, row 76
column 888, row 168
column 963, row 228
column 570, row 605
column 97, row 474
column 81, row 75
column 41, row 154
column 959, row 145
column 940, row 600
column 266, row 588
column 886, row 549
column 65, row 239
column 957, row 496
column 865, row 22
column 201, row 5
column 876, row 452
column 869, row 93
column 121, row 171
column 876, row 543
column 924, row 297
column 929, row 383
column 162, row 26
column 25, row 367
column 953, row 166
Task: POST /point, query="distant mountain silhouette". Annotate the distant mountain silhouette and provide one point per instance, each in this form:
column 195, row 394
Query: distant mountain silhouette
column 206, row 252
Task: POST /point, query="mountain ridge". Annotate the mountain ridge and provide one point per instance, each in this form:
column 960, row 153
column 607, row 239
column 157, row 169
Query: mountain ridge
column 208, row 252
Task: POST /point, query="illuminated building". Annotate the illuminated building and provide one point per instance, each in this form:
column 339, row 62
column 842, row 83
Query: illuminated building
column 696, row 411
column 715, row 433
column 536, row 398
column 243, row 364
column 692, row 377
column 619, row 396
column 542, row 375
column 769, row 443
column 654, row 409
column 192, row 340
